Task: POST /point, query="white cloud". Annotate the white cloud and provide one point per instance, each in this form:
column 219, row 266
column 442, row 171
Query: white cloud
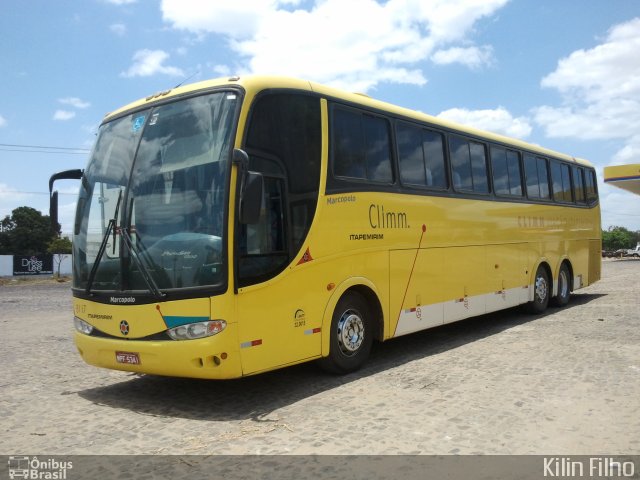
column 472, row 57
column 600, row 89
column 119, row 29
column 3, row 122
column 63, row 115
column 498, row 121
column 150, row 62
column 355, row 44
column 74, row 102
column 121, row 2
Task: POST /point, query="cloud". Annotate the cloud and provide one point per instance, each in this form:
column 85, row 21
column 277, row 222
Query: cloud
column 3, row 122
column 121, row 2
column 74, row 102
column 600, row 89
column 355, row 45
column 63, row 115
column 600, row 100
column 472, row 57
column 498, row 121
column 150, row 62
column 119, row 29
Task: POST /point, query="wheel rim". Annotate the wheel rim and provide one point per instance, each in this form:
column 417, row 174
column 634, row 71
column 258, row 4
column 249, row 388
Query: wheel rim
column 350, row 332
column 541, row 289
column 564, row 284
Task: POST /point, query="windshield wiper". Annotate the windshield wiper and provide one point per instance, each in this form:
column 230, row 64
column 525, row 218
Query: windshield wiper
column 144, row 271
column 103, row 245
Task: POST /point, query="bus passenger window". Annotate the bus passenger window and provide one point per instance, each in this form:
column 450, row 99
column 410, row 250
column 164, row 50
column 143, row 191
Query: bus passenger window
column 561, row 182
column 469, row 165
column 535, row 169
column 506, row 171
column 578, row 184
column 592, row 192
column 361, row 146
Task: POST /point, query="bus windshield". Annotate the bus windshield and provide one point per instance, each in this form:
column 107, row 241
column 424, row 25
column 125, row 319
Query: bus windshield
column 153, row 198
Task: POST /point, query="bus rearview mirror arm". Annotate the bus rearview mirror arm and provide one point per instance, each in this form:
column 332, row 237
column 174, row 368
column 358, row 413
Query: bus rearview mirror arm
column 75, row 174
column 251, row 189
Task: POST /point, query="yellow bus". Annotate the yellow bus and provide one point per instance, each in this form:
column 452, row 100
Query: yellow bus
column 240, row 225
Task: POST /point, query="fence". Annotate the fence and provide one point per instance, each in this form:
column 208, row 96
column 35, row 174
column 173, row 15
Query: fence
column 24, row 265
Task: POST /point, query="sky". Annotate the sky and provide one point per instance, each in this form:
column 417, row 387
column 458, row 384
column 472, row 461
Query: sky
column 564, row 74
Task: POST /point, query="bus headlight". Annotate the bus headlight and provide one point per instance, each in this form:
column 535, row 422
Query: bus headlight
column 197, row 330
column 82, row 326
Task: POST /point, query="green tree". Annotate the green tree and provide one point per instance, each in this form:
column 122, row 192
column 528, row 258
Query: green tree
column 25, row 232
column 615, row 238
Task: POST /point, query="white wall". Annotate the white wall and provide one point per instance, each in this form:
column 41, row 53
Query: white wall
column 6, row 265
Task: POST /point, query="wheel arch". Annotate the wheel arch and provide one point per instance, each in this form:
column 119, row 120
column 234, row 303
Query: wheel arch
column 367, row 290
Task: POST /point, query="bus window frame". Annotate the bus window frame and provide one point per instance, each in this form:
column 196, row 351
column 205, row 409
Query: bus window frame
column 507, row 196
column 333, row 106
column 461, row 192
column 445, row 157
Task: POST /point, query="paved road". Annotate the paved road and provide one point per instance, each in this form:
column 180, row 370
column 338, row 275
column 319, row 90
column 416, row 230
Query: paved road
column 567, row 382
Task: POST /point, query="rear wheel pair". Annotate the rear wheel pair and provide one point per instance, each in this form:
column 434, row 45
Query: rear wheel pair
column 542, row 290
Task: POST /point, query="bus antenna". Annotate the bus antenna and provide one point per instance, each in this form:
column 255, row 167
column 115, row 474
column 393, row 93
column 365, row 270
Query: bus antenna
column 187, row 79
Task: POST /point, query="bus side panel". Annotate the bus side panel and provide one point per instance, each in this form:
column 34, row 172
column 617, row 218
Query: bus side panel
column 507, row 279
column 595, row 260
column 279, row 321
column 465, row 282
column 422, row 292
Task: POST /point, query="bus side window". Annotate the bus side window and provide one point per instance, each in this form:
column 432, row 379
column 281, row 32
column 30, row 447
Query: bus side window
column 506, row 171
column 591, row 188
column 361, row 146
column 578, row 185
column 537, row 177
column 469, row 165
column 560, row 182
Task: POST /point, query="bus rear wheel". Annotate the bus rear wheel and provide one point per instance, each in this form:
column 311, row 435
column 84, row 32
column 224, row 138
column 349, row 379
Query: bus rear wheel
column 351, row 335
column 541, row 289
column 564, row 287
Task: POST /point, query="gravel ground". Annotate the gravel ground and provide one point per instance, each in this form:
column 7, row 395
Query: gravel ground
column 566, row 382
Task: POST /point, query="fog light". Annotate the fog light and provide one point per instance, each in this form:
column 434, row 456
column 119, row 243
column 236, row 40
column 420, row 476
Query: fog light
column 82, row 326
column 192, row 331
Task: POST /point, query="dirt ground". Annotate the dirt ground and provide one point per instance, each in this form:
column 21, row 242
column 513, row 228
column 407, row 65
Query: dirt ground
column 566, row 382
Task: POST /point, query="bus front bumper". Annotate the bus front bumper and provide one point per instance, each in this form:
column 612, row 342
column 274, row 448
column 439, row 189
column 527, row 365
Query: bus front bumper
column 213, row 357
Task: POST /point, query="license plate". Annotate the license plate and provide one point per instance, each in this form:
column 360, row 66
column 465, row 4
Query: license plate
column 128, row 357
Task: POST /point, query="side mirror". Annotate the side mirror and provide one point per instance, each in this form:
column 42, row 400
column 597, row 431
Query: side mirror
column 251, row 198
column 251, row 189
column 53, row 196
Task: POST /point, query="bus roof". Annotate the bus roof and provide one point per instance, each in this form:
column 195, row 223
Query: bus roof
column 256, row 83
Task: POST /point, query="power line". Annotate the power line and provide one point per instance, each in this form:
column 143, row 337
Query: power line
column 44, row 147
column 43, row 151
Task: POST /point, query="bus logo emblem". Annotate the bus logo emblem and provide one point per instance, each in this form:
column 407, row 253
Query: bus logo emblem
column 124, row 327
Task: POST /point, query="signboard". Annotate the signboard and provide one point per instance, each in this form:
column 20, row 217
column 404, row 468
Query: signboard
column 33, row 264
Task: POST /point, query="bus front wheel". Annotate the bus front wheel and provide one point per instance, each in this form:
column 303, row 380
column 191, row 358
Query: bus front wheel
column 351, row 335
column 541, row 290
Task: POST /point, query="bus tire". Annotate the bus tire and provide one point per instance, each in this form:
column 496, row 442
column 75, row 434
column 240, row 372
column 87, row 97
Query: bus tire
column 541, row 289
column 351, row 335
column 564, row 287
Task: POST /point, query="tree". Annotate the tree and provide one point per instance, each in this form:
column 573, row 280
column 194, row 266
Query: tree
column 60, row 248
column 25, row 232
column 616, row 238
